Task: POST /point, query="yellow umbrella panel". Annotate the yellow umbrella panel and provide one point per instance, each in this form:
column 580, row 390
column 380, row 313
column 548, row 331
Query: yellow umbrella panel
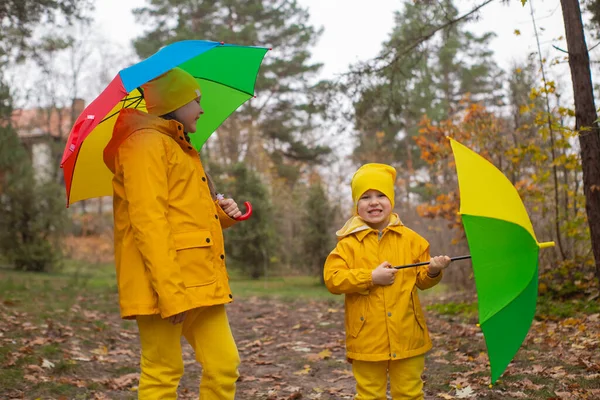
column 91, row 178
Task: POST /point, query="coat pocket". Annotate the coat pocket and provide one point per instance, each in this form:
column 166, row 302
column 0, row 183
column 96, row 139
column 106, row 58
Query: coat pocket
column 356, row 313
column 418, row 311
column 195, row 257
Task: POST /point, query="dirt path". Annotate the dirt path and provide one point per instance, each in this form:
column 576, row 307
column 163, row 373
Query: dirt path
column 289, row 351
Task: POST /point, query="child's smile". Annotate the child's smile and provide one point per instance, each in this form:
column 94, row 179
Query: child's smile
column 375, row 208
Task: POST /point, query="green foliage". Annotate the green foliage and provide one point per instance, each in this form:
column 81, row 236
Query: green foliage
column 20, row 18
column 317, row 238
column 249, row 244
column 32, row 213
column 593, row 7
column 419, row 73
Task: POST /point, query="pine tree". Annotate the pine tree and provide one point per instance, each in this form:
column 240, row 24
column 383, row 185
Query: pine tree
column 249, row 245
column 317, row 238
column 277, row 121
column 32, row 214
column 416, row 74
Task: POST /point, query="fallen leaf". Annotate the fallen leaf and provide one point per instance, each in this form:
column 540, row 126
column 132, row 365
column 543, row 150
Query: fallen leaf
column 124, row 381
column 304, row 371
column 464, row 393
column 47, row 364
column 101, row 351
column 325, row 354
column 518, row 395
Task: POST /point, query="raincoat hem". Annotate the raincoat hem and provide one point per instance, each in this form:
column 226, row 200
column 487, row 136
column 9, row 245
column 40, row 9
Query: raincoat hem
column 386, row 356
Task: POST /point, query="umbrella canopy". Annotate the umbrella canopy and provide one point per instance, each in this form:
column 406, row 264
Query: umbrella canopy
column 504, row 251
column 226, row 74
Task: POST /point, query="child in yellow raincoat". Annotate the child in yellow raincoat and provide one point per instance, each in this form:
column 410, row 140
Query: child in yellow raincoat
column 386, row 333
column 169, row 250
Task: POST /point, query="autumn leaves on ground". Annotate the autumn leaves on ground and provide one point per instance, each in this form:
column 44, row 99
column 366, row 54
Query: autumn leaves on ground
column 61, row 338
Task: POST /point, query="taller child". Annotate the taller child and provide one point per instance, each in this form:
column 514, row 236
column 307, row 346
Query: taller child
column 169, row 250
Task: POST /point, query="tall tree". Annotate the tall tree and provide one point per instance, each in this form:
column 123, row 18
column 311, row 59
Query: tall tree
column 593, row 6
column 30, row 217
column 317, row 238
column 413, row 76
column 20, row 19
column 586, row 118
column 277, row 120
column 250, row 244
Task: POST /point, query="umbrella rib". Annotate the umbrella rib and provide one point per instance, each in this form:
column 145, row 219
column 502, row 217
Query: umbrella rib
column 73, row 175
column 137, row 101
column 224, row 84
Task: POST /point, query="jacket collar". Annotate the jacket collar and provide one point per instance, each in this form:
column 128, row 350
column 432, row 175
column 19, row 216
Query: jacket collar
column 131, row 120
column 358, row 227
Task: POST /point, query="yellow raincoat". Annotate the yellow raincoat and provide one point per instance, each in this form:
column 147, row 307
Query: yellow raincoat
column 168, row 230
column 382, row 322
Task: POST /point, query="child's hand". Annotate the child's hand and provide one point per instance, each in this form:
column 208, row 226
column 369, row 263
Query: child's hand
column 384, row 274
column 437, row 264
column 177, row 318
column 230, row 207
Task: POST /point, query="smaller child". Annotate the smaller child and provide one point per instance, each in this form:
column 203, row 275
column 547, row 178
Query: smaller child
column 386, row 333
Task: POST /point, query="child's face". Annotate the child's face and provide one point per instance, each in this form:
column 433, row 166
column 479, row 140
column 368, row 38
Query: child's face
column 375, row 208
column 188, row 115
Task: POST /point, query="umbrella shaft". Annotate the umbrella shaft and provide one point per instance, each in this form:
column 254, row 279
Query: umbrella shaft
column 427, row 262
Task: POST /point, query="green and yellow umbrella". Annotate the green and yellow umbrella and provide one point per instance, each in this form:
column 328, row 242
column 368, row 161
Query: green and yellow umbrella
column 504, row 251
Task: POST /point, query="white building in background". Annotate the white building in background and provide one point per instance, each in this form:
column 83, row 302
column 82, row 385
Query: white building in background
column 41, row 129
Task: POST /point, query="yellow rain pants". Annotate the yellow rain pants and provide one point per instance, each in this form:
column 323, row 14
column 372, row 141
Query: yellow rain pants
column 405, row 378
column 207, row 330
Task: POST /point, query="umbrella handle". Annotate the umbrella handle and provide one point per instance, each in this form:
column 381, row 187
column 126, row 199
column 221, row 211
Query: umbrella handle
column 427, row 262
column 247, row 214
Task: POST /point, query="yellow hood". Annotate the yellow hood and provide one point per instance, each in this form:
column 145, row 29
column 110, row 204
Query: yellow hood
column 130, row 121
column 357, row 224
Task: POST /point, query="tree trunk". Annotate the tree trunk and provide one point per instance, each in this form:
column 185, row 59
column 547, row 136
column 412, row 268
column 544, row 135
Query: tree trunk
column 585, row 114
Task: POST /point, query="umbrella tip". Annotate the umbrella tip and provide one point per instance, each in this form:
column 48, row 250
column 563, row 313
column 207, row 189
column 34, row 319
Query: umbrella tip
column 270, row 48
column 222, row 42
column 254, row 96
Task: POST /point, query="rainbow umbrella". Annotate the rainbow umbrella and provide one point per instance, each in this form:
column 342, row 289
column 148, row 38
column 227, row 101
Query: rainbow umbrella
column 504, row 252
column 226, row 73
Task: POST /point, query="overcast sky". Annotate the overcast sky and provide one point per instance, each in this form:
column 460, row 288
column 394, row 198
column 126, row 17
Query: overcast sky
column 355, row 31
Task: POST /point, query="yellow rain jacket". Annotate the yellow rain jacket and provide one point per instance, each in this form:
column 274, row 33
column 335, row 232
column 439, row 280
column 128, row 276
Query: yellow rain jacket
column 382, row 322
column 168, row 230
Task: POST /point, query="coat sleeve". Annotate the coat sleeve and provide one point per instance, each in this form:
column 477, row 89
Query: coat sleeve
column 424, row 281
column 339, row 278
column 225, row 220
column 143, row 160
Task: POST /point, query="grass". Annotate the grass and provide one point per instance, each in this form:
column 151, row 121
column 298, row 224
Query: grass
column 75, row 277
column 465, row 310
column 547, row 308
column 553, row 309
column 284, row 288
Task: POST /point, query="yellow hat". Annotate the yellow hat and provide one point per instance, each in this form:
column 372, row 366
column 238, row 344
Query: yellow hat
column 373, row 176
column 169, row 91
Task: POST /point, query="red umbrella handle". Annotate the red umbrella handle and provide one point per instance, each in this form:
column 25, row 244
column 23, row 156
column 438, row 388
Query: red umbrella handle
column 247, row 214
